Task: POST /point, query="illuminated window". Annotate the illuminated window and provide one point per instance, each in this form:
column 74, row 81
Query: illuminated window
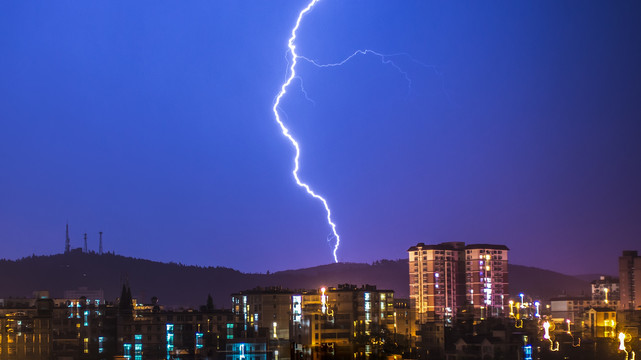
column 86, row 314
column 230, row 331
column 138, row 347
column 138, row 352
column 170, row 339
column 127, row 350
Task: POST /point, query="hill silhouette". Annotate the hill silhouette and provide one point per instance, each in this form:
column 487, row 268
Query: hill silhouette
column 178, row 285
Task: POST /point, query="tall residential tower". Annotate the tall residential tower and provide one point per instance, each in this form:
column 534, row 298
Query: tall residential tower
column 486, row 279
column 630, row 280
column 437, row 280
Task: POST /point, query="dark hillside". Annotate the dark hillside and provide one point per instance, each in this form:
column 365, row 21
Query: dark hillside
column 181, row 285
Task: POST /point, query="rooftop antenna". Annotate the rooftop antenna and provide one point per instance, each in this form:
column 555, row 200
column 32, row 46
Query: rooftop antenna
column 85, row 242
column 100, row 247
column 67, row 241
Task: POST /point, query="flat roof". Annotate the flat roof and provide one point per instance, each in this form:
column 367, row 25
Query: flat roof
column 456, row 246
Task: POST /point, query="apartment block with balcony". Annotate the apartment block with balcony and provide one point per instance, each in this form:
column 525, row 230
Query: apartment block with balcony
column 437, row 280
column 486, row 279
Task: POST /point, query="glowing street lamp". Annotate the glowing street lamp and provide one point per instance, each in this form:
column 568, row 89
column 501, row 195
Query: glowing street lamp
column 323, row 301
column 511, row 308
column 546, row 328
column 537, row 304
column 522, row 304
column 568, row 322
column 606, row 294
column 621, row 341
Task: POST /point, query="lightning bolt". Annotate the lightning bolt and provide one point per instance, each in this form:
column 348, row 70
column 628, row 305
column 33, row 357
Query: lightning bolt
column 385, row 59
column 285, row 130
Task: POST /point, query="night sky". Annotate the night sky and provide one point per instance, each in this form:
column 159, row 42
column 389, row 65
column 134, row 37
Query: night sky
column 151, row 121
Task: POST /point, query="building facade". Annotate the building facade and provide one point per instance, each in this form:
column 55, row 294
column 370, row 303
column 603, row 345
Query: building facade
column 606, row 288
column 437, row 280
column 343, row 321
column 264, row 308
column 630, row 280
column 486, row 279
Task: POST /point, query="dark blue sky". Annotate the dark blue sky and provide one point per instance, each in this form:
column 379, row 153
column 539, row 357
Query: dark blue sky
column 151, row 121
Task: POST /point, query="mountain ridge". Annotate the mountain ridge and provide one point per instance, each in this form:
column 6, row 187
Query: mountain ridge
column 179, row 285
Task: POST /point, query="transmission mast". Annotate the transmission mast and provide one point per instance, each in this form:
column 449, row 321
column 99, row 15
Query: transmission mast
column 100, row 247
column 67, row 241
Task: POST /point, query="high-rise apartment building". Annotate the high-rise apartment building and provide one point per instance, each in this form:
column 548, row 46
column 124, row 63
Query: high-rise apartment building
column 437, row 280
column 630, row 280
column 486, row 279
column 448, row 277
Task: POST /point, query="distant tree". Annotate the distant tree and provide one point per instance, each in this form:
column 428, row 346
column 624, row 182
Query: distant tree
column 123, row 297
column 210, row 303
column 124, row 306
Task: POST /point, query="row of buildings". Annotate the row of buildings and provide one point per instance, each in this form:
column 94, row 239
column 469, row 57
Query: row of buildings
column 345, row 320
column 263, row 323
column 459, row 308
column 447, row 278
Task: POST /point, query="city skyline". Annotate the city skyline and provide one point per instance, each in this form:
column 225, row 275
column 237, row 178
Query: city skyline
column 152, row 123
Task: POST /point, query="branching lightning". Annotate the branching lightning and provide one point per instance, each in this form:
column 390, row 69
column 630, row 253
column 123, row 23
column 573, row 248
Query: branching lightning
column 385, row 59
column 285, row 130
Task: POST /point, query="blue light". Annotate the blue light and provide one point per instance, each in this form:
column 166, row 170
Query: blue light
column 170, row 339
column 230, row 331
column 527, row 351
column 138, row 352
column 127, row 351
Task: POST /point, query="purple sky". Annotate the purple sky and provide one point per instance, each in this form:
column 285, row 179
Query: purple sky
column 151, row 121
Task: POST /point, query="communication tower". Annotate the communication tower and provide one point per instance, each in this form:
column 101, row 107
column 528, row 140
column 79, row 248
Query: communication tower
column 67, row 241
